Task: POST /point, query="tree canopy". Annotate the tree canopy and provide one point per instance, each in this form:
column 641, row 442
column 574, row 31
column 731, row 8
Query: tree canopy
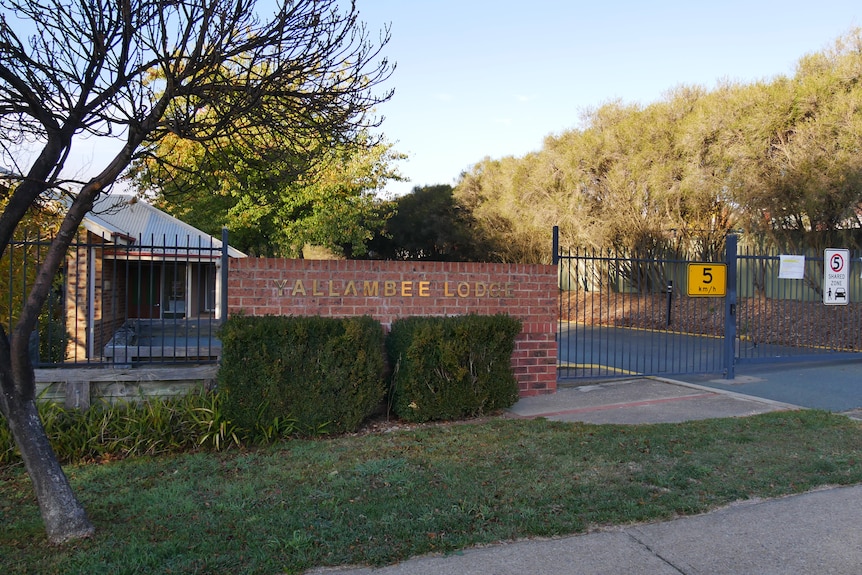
column 778, row 159
column 271, row 207
column 428, row 224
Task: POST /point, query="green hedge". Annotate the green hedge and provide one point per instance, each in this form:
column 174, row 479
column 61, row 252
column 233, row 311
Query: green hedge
column 324, row 374
column 451, row 367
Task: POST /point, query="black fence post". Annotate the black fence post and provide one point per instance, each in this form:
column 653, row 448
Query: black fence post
column 730, row 308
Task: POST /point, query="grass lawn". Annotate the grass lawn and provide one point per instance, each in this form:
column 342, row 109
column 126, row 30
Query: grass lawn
column 383, row 497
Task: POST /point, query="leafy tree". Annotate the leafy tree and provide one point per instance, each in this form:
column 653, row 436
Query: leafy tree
column 779, row 158
column 622, row 181
column 203, row 70
column 271, row 207
column 428, row 224
column 802, row 170
column 514, row 203
column 18, row 271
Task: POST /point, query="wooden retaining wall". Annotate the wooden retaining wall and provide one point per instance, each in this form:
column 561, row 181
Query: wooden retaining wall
column 81, row 387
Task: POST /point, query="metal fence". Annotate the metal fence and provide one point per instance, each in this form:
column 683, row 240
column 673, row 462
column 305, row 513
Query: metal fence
column 782, row 319
column 121, row 301
column 623, row 314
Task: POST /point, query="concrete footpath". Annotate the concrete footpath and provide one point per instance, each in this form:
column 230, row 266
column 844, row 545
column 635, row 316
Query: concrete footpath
column 816, row 532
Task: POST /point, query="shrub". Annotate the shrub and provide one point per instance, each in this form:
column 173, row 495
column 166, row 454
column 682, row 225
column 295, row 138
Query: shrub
column 451, row 367
column 323, row 374
column 53, row 339
column 151, row 427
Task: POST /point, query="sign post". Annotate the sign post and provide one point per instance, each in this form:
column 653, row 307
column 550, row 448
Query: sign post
column 836, row 276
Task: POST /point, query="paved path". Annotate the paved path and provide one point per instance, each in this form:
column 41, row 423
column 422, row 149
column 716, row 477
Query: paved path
column 642, row 400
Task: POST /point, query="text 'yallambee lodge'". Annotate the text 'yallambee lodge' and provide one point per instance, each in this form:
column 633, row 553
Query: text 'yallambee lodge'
column 392, row 288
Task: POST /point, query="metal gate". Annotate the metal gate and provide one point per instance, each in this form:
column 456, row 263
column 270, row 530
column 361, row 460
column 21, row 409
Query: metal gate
column 622, row 314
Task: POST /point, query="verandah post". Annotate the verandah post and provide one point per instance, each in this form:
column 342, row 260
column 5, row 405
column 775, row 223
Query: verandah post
column 224, row 270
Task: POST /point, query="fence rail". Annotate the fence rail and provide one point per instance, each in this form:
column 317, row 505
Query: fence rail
column 121, row 301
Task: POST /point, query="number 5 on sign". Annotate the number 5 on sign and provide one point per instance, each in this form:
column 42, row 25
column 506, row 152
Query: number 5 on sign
column 707, row 280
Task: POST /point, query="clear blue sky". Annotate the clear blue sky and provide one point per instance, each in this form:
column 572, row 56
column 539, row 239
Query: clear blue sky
column 479, row 78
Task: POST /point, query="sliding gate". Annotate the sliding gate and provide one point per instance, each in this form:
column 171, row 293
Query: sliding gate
column 621, row 314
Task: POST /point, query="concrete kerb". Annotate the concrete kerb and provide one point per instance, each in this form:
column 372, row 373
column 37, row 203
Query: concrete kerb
column 777, row 404
column 642, row 400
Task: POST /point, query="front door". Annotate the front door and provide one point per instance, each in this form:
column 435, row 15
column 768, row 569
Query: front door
column 174, row 293
column 145, row 293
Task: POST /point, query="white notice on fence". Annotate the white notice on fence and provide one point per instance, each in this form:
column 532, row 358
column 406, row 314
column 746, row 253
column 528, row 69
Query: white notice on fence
column 791, row 267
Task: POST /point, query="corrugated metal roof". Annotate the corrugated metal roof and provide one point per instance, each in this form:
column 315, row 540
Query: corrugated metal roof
column 137, row 222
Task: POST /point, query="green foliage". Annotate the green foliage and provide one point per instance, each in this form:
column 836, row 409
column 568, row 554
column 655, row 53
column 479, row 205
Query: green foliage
column 779, row 159
column 428, row 224
column 151, row 427
column 19, row 265
column 53, row 337
column 451, row 367
column 322, row 374
column 8, row 450
column 275, row 194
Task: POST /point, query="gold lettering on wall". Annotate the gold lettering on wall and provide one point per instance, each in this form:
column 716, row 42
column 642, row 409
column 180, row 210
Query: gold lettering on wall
column 393, row 288
column 370, row 289
column 425, row 289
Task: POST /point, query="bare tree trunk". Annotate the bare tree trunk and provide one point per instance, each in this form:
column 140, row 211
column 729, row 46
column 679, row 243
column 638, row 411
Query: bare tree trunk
column 62, row 513
column 64, row 517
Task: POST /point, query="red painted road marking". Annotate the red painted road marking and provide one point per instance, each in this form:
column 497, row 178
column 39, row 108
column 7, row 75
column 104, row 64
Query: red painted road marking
column 622, row 405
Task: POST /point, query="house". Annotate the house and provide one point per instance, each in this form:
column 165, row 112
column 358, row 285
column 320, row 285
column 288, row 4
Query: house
column 134, row 269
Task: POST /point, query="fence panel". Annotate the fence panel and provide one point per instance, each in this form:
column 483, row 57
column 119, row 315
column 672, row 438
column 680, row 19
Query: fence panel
column 621, row 314
column 120, row 301
column 782, row 319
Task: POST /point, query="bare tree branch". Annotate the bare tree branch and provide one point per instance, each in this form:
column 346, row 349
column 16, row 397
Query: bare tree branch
column 208, row 70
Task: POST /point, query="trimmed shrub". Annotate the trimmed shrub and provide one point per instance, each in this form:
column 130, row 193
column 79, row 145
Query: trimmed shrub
column 452, row 367
column 323, row 374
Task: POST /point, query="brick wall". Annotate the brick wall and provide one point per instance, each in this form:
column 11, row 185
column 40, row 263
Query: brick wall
column 389, row 290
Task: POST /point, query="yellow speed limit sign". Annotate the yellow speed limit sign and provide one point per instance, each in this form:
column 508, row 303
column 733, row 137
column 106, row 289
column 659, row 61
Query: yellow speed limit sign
column 707, row 280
